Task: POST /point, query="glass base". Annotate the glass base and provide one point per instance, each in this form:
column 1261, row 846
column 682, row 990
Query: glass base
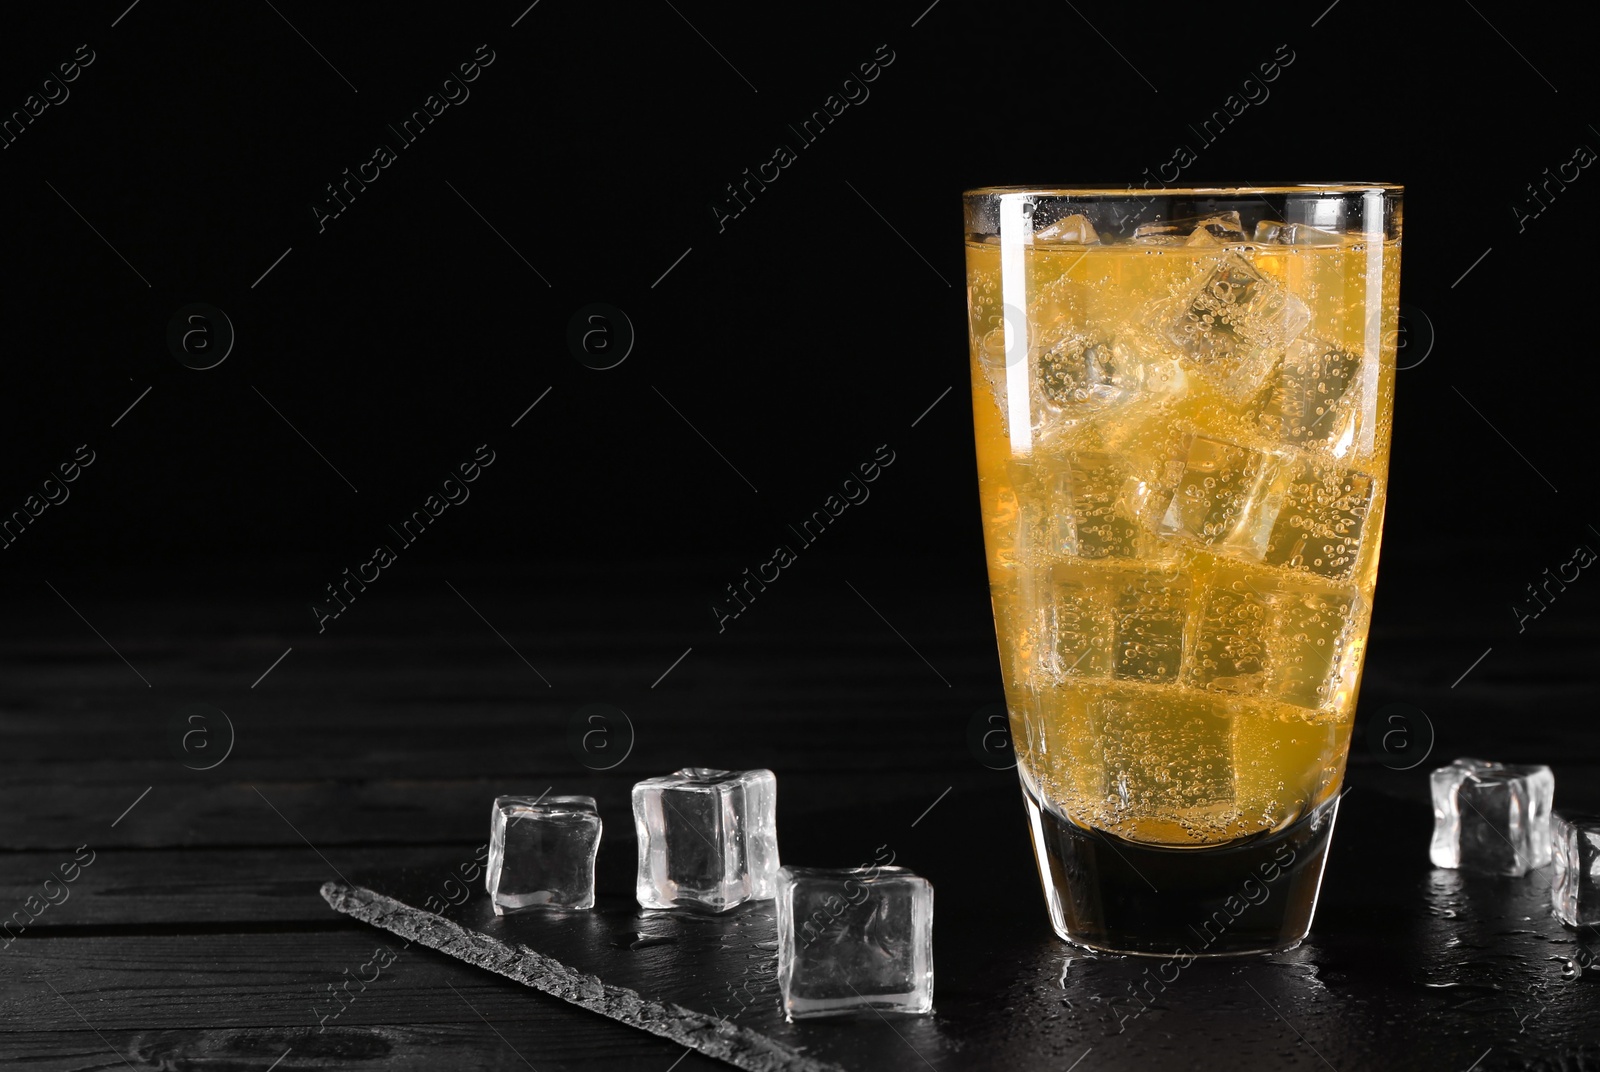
column 1118, row 896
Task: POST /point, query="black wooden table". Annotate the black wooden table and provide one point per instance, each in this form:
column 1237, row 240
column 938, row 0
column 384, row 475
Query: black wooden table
column 194, row 935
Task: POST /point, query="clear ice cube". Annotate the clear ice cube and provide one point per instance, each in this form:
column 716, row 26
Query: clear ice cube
column 1030, row 524
column 1094, row 384
column 1191, row 231
column 541, row 852
column 1575, row 885
column 1080, row 374
column 1125, row 624
column 1260, row 635
column 1313, row 647
column 1075, row 373
column 1159, row 234
column 1166, row 754
column 1097, row 516
column 1232, row 322
column 1216, row 485
column 1317, row 513
column 1077, row 506
column 1230, row 647
column 1149, row 614
column 1307, row 399
column 1276, row 233
column 1073, row 230
column 708, row 839
column 1078, row 623
column 1492, row 817
column 1268, row 232
column 853, row 940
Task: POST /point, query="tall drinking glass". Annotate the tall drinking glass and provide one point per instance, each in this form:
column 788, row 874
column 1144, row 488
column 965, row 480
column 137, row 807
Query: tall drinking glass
column 1182, row 402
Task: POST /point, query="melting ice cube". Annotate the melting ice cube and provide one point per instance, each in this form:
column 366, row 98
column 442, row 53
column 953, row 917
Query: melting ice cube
column 1575, row 886
column 707, row 838
column 1274, row 232
column 541, row 852
column 1492, row 817
column 853, row 940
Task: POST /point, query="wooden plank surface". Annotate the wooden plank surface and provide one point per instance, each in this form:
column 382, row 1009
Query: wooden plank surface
column 242, row 999
column 508, row 1045
column 198, row 935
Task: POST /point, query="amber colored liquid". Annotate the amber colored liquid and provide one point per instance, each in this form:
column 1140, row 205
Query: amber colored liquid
column 1182, row 469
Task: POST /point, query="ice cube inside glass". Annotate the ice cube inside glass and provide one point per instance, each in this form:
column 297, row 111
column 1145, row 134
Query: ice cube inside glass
column 541, row 852
column 708, row 839
column 854, row 940
column 1492, row 817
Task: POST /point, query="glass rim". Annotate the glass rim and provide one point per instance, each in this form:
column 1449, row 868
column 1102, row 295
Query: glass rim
column 1103, row 191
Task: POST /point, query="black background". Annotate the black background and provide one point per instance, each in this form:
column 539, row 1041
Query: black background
column 819, row 324
column 796, row 340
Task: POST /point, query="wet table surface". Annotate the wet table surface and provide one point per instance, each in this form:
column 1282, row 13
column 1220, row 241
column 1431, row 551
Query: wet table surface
column 192, row 933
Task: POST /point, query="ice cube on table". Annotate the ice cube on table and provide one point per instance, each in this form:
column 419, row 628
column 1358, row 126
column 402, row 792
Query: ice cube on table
column 854, row 940
column 1492, row 817
column 1232, row 322
column 708, row 839
column 541, row 852
column 1575, row 851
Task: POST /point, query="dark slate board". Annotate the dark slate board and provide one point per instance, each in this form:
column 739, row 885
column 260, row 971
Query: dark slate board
column 706, row 982
column 1400, row 951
